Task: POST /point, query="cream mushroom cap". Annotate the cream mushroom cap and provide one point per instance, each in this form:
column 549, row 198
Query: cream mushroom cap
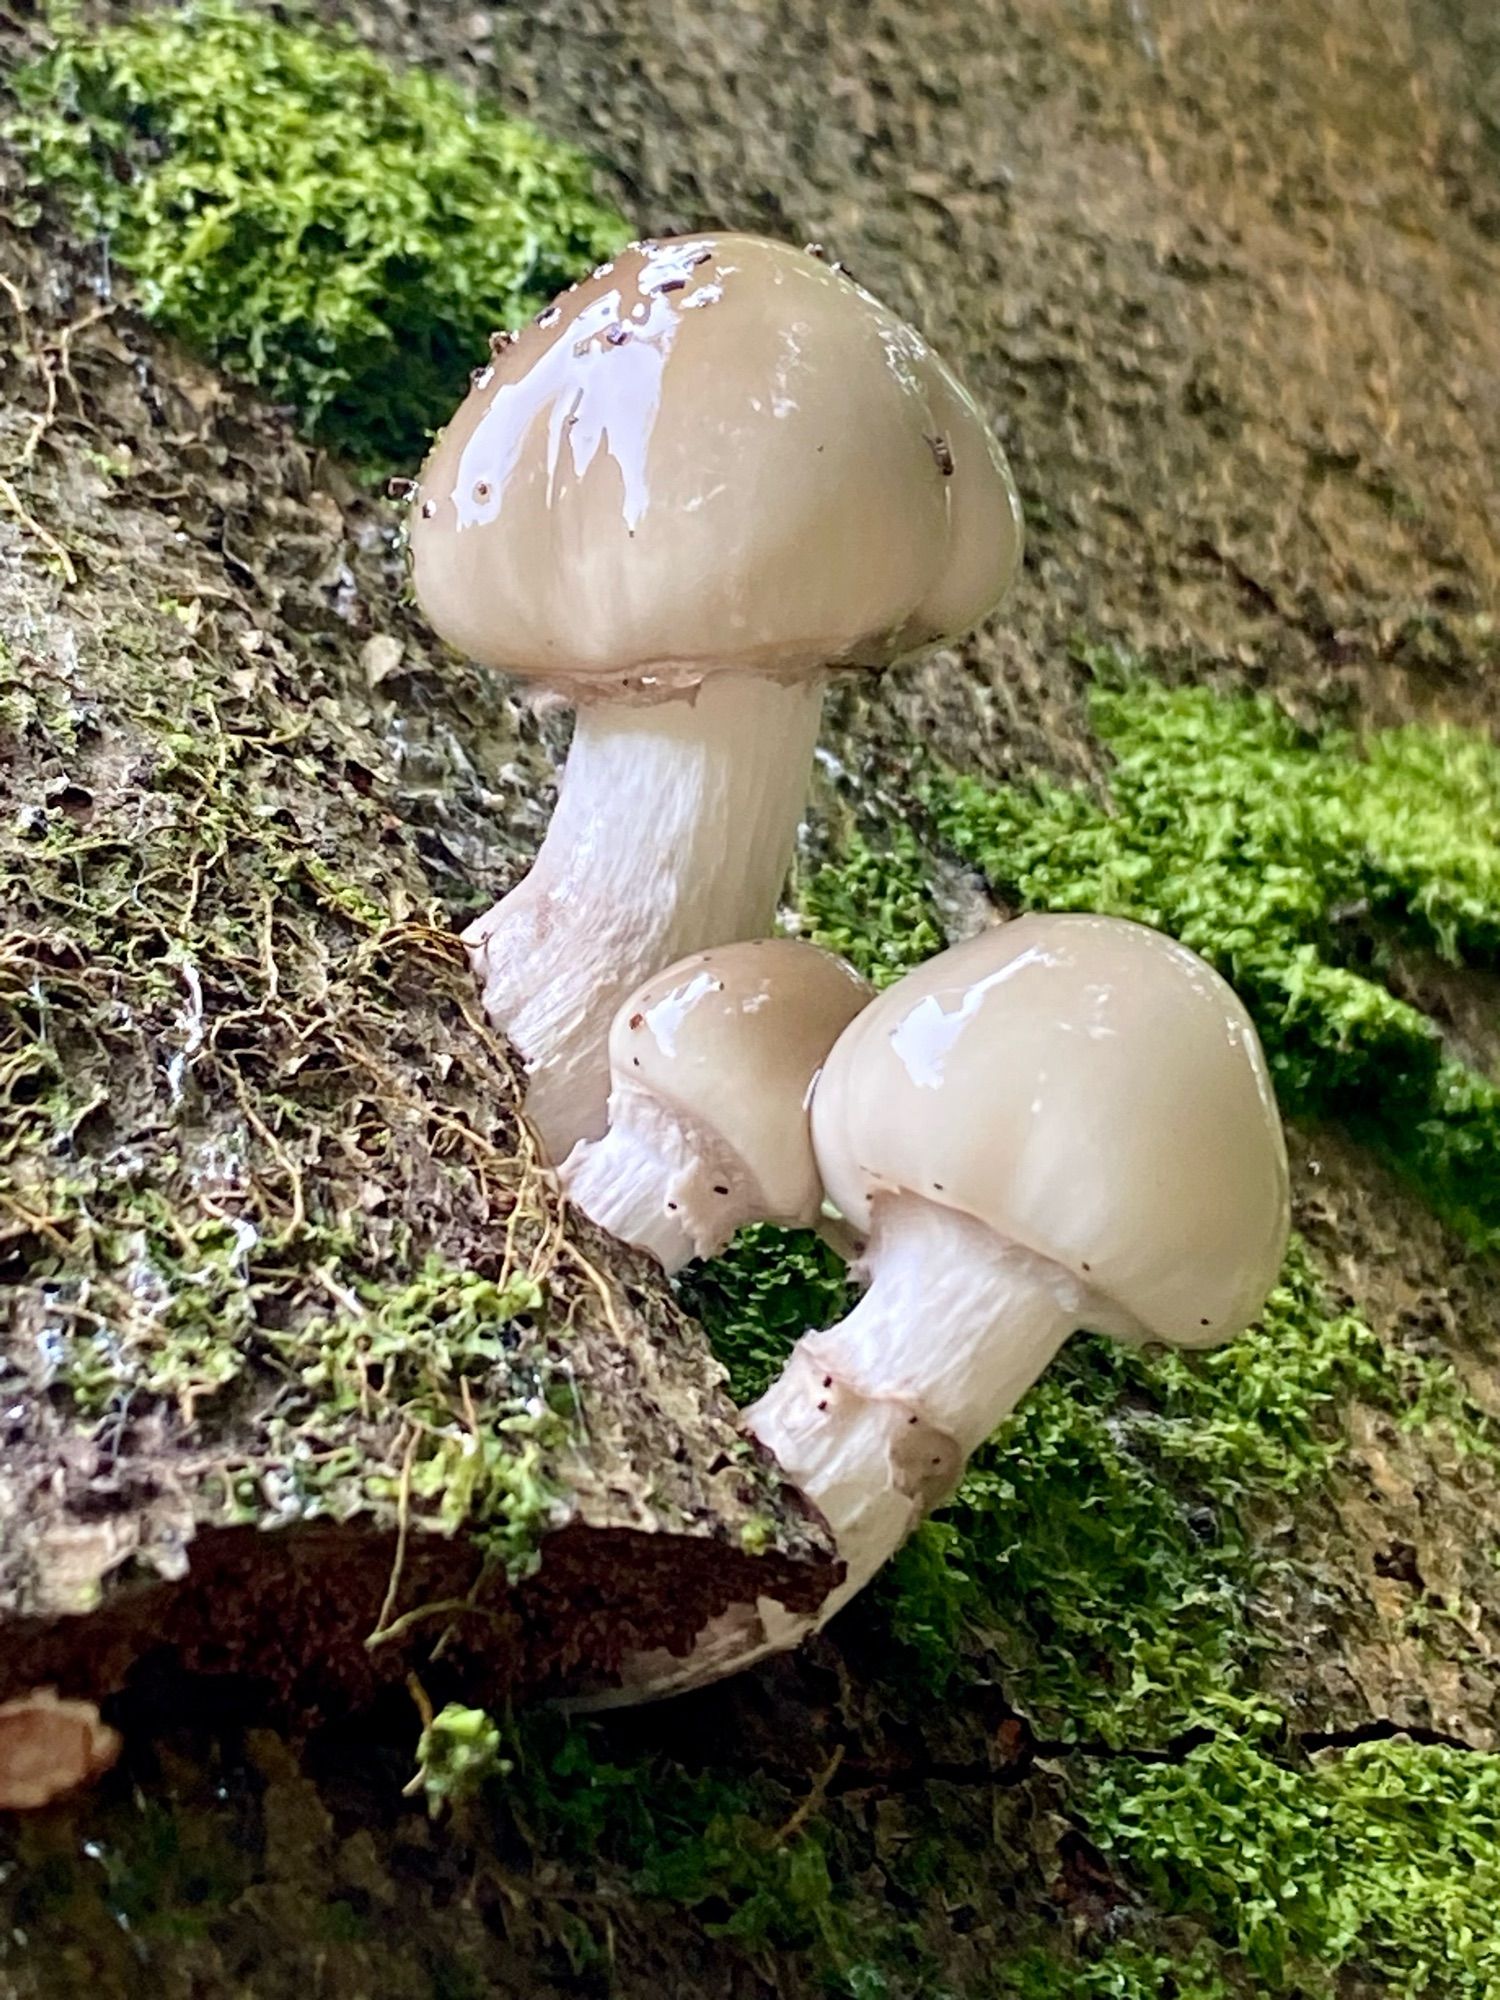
column 731, row 1041
column 1089, row 1090
column 716, row 453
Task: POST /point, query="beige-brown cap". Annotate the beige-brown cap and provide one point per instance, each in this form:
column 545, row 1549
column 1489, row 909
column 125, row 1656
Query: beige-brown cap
column 731, row 1041
column 716, row 452
column 49, row 1747
column 1087, row 1089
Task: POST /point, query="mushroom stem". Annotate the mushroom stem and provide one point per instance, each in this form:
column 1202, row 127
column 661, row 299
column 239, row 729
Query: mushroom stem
column 673, row 831
column 644, row 1182
column 874, row 1418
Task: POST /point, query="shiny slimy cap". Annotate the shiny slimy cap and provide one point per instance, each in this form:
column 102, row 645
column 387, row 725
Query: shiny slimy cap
column 1086, row 1088
column 731, row 1041
column 717, row 452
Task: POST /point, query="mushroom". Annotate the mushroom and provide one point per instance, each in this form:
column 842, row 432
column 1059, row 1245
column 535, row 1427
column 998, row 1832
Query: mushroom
column 49, row 1747
column 700, row 480
column 1064, row 1122
column 712, row 1065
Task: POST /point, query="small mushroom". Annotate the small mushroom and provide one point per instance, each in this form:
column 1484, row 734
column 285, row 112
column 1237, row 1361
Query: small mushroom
column 712, row 1065
column 695, row 485
column 50, row 1747
column 1065, row 1122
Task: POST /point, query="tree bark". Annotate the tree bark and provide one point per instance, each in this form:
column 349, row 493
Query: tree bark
column 307, row 1377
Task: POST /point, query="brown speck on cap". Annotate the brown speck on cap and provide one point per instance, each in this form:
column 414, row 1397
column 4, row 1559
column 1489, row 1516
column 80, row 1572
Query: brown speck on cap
column 500, row 339
column 617, row 335
column 943, row 453
column 637, row 1020
column 429, row 508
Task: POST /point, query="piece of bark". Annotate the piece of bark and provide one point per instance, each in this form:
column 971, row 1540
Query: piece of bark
column 297, row 1346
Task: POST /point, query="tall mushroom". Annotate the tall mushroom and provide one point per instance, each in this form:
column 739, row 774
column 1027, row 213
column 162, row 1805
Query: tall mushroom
column 712, row 1066
column 700, row 480
column 1065, row 1122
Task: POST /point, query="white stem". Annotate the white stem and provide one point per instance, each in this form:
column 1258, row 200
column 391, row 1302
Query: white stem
column 673, row 832
column 659, row 1183
column 874, row 1418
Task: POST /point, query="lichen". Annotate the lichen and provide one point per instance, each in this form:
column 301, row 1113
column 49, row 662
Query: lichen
column 339, row 233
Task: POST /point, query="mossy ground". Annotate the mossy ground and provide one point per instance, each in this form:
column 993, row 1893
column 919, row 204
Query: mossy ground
column 341, row 234
column 1069, row 1748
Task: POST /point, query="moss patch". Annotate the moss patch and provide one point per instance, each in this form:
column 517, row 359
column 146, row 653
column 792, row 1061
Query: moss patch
column 343, row 235
column 1384, row 1857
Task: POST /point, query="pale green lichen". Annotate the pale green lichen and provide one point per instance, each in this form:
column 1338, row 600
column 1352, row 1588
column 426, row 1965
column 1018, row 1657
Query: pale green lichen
column 433, row 1353
column 458, row 1753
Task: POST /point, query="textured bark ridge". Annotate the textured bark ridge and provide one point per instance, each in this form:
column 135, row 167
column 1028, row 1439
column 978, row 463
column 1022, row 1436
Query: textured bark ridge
column 298, row 1347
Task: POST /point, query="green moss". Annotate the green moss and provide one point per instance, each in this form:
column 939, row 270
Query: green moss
column 1303, row 866
column 766, row 1290
column 478, row 1460
column 1384, row 1857
column 873, row 906
column 710, row 1842
column 342, row 235
column 1120, row 1972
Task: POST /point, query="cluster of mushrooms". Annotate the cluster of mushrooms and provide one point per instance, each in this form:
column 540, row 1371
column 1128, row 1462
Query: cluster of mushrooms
column 703, row 480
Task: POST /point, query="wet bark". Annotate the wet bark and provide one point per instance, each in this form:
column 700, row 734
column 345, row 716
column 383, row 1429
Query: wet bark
column 297, row 1343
